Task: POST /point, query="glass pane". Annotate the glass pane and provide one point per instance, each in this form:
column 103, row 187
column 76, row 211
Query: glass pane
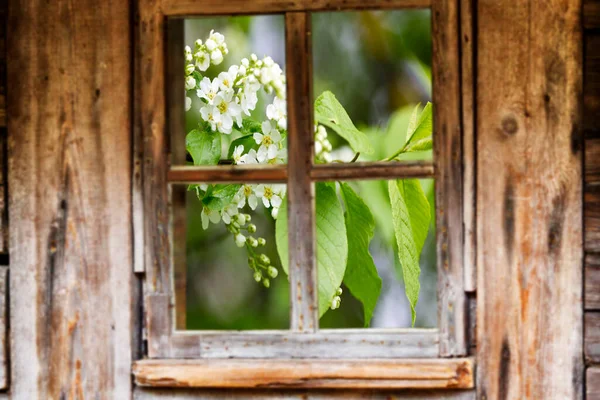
column 371, row 69
column 376, row 253
column 227, row 271
column 234, row 91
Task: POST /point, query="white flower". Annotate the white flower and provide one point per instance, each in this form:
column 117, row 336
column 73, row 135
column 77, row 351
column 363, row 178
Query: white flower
column 227, row 109
column 210, row 44
column 208, row 90
column 269, row 194
column 187, row 52
column 248, row 196
column 202, row 60
column 228, row 78
column 218, row 38
column 240, row 240
column 268, row 140
column 209, row 216
column 188, row 103
column 248, row 103
column 190, row 83
column 229, row 212
column 278, row 112
column 237, row 154
column 211, row 115
column 249, row 158
column 216, row 56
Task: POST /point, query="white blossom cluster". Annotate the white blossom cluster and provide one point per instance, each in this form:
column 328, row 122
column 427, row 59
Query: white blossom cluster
column 322, row 145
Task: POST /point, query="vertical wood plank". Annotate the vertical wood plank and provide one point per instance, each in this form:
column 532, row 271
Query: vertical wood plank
column 468, row 139
column 591, row 345
column 592, row 383
column 449, row 195
column 3, row 171
column 592, row 282
column 3, row 328
column 69, row 124
column 176, row 122
column 529, row 236
column 300, row 191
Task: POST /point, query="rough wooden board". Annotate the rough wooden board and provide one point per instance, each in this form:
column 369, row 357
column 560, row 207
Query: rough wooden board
column 592, row 161
column 3, row 328
column 304, row 315
column 592, row 337
column 591, row 215
column 338, row 343
column 3, row 59
column 591, row 87
column 218, row 7
column 228, row 394
column 448, row 185
column 592, row 282
column 324, row 374
column 529, row 200
column 592, row 383
column 591, row 14
column 69, row 129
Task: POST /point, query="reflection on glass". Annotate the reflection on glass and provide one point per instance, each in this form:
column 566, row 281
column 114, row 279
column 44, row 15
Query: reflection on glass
column 376, row 253
column 233, row 276
column 370, row 70
column 235, row 91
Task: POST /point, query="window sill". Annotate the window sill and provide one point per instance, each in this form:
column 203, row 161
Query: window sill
column 456, row 373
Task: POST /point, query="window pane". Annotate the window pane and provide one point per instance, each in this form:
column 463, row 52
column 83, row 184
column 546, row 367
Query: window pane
column 376, row 67
column 235, row 110
column 227, row 270
column 373, row 237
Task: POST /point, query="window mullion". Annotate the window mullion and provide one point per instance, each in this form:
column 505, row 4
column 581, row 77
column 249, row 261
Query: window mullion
column 302, row 267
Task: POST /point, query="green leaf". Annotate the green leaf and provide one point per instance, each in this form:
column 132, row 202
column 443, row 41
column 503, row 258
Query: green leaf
column 329, row 112
column 420, row 145
column 250, row 126
column 219, row 196
column 423, row 127
column 361, row 277
column 247, row 141
column 332, row 244
column 204, row 147
column 411, row 215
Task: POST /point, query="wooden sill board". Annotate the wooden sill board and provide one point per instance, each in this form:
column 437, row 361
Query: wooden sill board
column 356, row 374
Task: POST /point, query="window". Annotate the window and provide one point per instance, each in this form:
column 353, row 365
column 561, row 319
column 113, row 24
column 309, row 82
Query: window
column 413, row 357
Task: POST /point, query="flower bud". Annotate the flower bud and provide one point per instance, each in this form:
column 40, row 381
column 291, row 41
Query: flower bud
column 264, row 259
column 253, row 242
column 257, row 276
column 240, row 240
column 274, row 212
column 261, row 241
column 339, row 291
column 251, row 228
column 190, row 82
column 248, row 217
column 241, row 218
column 198, row 42
column 266, row 282
column 272, row 272
column 189, row 69
column 336, row 302
column 216, row 56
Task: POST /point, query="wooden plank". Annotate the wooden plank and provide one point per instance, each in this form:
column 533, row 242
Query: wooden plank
column 591, row 87
column 3, row 61
column 354, row 171
column 304, row 315
column 592, row 383
column 232, row 7
column 449, row 195
column 592, row 282
column 69, row 124
column 4, row 376
column 591, row 14
column 592, row 337
column 330, row 344
column 322, row 374
column 468, row 140
column 592, row 161
column 142, row 393
column 591, row 215
column 529, row 200
column 231, row 173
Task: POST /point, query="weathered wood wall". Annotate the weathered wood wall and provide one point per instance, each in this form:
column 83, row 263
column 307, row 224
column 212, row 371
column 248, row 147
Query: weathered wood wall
column 591, row 129
column 529, row 207
column 69, row 123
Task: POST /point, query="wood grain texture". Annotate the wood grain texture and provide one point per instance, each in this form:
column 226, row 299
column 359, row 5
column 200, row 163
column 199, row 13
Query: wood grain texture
column 69, row 124
column 591, row 88
column 591, row 14
column 304, row 315
column 592, row 282
column 529, row 296
column 4, row 378
column 328, row 374
column 137, row 179
column 592, row 161
column 3, row 61
column 467, row 38
column 592, row 383
column 228, row 173
column 592, row 337
column 448, row 187
column 217, row 7
column 354, row 171
column 591, row 215
column 331, row 344
column 142, row 393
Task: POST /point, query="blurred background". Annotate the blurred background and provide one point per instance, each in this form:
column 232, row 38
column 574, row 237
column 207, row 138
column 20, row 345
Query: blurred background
column 378, row 64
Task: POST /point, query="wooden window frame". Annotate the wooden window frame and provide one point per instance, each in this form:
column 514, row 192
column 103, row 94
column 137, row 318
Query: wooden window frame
column 399, row 358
